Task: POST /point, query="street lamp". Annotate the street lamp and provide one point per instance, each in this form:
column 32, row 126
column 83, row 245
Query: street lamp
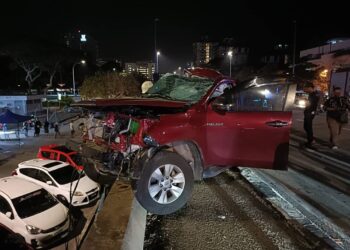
column 75, row 64
column 157, row 62
column 230, row 57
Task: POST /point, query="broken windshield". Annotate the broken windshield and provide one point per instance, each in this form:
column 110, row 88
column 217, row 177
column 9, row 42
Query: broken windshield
column 180, row 88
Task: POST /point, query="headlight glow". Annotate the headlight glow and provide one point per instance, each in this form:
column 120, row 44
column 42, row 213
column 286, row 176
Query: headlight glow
column 33, row 230
column 78, row 193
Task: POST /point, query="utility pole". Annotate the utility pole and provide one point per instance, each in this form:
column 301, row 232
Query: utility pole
column 294, row 46
column 155, row 42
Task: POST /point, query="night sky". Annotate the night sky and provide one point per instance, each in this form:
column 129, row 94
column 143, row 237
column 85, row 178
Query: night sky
column 124, row 29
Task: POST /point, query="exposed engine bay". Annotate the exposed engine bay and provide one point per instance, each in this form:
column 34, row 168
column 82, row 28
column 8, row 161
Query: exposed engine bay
column 114, row 141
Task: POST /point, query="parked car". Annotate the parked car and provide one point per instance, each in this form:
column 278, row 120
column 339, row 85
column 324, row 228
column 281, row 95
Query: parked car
column 60, row 153
column 60, row 179
column 187, row 128
column 301, row 99
column 31, row 213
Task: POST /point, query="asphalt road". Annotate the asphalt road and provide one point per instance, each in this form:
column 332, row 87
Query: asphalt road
column 321, row 129
column 224, row 214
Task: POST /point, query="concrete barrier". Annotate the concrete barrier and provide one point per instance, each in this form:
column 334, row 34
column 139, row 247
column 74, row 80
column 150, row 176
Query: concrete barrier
column 135, row 232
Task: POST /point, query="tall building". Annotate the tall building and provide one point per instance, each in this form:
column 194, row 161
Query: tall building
column 145, row 68
column 279, row 55
column 334, row 58
column 239, row 53
column 78, row 40
column 204, row 52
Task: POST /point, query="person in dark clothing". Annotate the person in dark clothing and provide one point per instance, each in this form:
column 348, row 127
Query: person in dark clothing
column 46, row 127
column 26, row 127
column 57, row 130
column 310, row 112
column 37, row 125
column 337, row 115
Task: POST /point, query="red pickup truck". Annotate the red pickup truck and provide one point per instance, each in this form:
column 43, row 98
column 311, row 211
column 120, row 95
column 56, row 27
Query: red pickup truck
column 187, row 128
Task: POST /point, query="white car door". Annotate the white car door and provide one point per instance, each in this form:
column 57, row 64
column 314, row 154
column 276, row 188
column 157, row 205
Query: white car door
column 44, row 179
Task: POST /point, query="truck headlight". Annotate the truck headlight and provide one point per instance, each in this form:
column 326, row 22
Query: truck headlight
column 33, row 230
column 150, row 141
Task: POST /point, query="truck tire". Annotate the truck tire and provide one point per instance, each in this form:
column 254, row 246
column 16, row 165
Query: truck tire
column 165, row 184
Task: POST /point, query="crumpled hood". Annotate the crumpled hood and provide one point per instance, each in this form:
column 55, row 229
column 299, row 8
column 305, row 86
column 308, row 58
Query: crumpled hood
column 149, row 102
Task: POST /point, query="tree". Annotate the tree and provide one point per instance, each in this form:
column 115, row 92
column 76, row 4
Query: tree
column 109, row 85
column 36, row 56
column 28, row 56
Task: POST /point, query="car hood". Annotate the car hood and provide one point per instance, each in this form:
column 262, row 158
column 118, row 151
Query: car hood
column 148, row 102
column 48, row 218
column 85, row 185
column 141, row 107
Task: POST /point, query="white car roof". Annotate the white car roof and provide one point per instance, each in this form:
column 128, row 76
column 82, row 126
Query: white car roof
column 48, row 165
column 15, row 187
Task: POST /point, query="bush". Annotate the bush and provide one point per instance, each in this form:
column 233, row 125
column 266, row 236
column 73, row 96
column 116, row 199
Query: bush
column 110, row 86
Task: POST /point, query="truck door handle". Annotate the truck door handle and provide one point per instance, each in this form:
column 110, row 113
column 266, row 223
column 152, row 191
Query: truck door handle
column 277, row 124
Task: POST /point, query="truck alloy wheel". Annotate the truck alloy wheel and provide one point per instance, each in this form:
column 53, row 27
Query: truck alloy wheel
column 166, row 183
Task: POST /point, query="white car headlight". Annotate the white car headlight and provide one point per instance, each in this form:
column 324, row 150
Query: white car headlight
column 302, row 103
column 78, row 193
column 33, row 230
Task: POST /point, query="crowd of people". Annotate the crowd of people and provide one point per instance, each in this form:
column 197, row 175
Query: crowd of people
column 37, row 125
column 337, row 107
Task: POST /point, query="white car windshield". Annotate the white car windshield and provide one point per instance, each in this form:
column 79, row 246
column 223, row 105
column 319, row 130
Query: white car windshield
column 66, row 175
column 180, row 88
column 33, row 203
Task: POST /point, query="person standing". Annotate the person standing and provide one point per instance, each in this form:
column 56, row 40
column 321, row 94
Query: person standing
column 57, row 130
column 26, row 127
column 337, row 115
column 37, row 125
column 310, row 112
column 4, row 130
column 46, row 126
column 71, row 127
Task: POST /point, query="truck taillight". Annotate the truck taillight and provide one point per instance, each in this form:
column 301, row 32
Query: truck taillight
column 14, row 172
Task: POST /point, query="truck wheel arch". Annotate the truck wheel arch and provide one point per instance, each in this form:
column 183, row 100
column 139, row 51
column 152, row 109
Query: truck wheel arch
column 192, row 154
column 186, row 149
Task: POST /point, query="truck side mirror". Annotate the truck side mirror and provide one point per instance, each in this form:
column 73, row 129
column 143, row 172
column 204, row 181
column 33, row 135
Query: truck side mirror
column 220, row 106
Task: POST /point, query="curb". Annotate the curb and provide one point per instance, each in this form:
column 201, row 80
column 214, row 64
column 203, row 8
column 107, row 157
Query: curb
column 135, row 231
column 301, row 216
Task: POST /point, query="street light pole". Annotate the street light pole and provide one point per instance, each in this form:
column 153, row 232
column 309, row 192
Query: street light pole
column 155, row 42
column 157, row 62
column 230, row 57
column 75, row 64
column 294, row 46
column 73, row 73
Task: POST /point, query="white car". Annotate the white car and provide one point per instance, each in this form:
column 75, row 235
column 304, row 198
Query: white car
column 60, row 179
column 29, row 210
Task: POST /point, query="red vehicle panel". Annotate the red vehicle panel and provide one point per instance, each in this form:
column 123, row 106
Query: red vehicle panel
column 60, row 153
